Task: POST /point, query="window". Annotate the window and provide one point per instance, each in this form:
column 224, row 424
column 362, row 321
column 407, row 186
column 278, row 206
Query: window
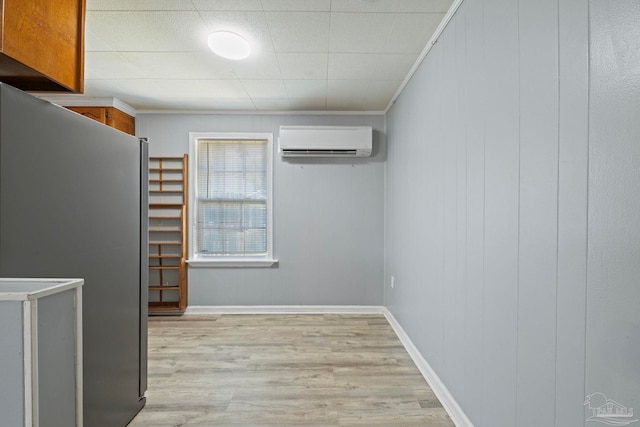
column 230, row 199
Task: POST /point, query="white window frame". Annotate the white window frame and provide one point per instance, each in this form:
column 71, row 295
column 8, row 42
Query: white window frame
column 197, row 260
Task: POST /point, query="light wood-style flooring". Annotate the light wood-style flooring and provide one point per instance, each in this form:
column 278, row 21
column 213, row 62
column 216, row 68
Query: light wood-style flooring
column 283, row 370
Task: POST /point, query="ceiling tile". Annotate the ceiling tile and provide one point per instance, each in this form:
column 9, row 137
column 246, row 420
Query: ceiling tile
column 412, row 6
column 110, row 65
column 306, row 88
column 264, row 88
column 344, row 104
column 227, row 4
column 370, row 66
column 306, row 54
column 124, row 88
column 266, row 104
column 308, row 104
column 351, row 104
column 370, row 95
column 156, row 65
column 297, row 5
column 375, row 104
column 139, row 5
column 248, row 24
column 203, row 89
column 94, row 40
column 231, row 104
column 299, row 31
column 382, row 32
column 179, row 65
column 177, row 89
column 261, row 65
column 310, row 66
column 191, row 104
column 147, row 31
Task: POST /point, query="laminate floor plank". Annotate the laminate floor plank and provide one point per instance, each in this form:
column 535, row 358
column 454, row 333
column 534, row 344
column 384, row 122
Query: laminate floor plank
column 283, row 370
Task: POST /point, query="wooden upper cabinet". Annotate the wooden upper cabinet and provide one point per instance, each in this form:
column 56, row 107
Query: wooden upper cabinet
column 109, row 116
column 98, row 114
column 121, row 121
column 42, row 44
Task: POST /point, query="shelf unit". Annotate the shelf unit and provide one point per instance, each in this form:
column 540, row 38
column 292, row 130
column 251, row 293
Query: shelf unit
column 167, row 235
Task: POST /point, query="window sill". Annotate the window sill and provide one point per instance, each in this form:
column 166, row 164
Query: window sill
column 232, row 262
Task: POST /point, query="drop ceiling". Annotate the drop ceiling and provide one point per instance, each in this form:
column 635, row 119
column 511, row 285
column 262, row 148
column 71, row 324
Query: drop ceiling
column 307, row 55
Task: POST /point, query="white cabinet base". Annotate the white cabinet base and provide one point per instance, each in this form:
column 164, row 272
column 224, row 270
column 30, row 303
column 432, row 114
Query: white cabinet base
column 41, row 363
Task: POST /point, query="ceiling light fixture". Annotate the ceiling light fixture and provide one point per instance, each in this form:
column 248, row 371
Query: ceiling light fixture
column 229, row 45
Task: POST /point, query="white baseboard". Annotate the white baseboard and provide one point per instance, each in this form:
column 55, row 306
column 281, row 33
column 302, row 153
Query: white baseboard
column 454, row 410
column 285, row 309
column 456, row 413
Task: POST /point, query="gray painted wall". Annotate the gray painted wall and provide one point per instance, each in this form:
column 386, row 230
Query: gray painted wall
column 328, row 217
column 512, row 199
column 613, row 274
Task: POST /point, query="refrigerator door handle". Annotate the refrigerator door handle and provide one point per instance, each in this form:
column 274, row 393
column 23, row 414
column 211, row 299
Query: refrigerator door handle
column 144, row 261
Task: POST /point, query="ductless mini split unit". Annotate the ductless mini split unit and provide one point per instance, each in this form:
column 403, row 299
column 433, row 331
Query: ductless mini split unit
column 325, row 141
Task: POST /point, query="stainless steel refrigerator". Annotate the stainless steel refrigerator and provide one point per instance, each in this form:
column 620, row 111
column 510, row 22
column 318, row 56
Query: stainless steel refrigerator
column 73, row 203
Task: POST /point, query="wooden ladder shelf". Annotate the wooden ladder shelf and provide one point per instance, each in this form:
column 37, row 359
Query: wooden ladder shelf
column 167, row 235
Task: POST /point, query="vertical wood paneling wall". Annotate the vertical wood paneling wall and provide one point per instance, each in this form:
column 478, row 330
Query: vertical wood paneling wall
column 512, row 209
column 486, row 211
column 613, row 273
column 328, row 217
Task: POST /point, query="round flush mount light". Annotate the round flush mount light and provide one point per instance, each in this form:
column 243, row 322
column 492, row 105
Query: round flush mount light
column 228, row 45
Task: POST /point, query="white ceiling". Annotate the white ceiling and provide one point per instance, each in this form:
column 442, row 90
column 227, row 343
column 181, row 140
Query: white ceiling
column 307, row 55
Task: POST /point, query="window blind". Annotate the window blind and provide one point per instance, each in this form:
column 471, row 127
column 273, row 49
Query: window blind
column 231, row 211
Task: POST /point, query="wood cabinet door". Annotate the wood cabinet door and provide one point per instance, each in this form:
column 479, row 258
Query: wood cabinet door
column 98, row 114
column 109, row 116
column 42, row 44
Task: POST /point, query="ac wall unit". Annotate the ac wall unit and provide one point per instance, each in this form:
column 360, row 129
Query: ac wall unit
column 325, row 141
